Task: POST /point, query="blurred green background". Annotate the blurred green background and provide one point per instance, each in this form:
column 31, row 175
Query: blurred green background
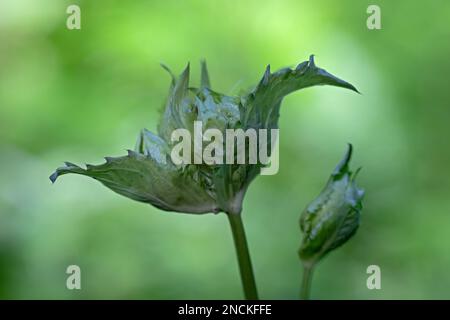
column 79, row 95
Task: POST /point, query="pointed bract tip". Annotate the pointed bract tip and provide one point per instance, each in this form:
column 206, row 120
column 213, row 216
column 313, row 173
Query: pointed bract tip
column 301, row 65
column 53, row 177
column 172, row 76
column 184, row 76
column 203, row 65
column 131, row 153
column 356, row 173
column 342, row 167
column 311, row 61
column 204, row 79
column 266, row 76
column 348, row 155
column 165, row 67
column 353, row 88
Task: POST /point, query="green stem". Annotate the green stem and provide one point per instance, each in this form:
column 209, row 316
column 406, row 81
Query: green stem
column 245, row 264
column 306, row 282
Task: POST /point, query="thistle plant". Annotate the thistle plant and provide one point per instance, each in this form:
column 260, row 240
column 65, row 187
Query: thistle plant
column 330, row 220
column 149, row 174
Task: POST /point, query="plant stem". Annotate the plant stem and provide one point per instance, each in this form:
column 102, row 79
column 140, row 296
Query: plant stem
column 245, row 264
column 306, row 282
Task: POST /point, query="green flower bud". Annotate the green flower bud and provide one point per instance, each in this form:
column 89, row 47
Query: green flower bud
column 148, row 173
column 333, row 217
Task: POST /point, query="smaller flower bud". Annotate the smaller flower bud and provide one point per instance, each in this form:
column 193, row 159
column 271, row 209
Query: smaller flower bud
column 333, row 217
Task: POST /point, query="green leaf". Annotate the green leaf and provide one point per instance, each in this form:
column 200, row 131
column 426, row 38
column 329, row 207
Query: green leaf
column 261, row 106
column 144, row 179
column 333, row 217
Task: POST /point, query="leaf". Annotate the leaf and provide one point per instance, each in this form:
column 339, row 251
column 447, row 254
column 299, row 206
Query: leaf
column 261, row 106
column 141, row 178
column 333, row 217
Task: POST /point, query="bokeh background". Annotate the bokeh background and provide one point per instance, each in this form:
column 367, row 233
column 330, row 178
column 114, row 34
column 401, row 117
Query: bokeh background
column 79, row 95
